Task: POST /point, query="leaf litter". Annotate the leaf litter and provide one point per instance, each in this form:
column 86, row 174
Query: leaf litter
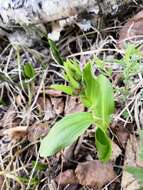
column 91, row 173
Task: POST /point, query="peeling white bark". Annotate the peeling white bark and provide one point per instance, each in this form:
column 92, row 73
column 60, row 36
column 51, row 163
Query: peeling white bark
column 29, row 12
column 33, row 11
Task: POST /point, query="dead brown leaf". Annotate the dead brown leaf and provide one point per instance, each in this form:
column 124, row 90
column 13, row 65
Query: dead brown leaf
column 91, row 173
column 16, row 133
column 73, row 105
column 51, row 92
column 67, row 177
column 54, row 93
column 45, row 107
column 122, row 135
column 58, row 105
column 37, row 130
column 132, row 31
column 94, row 173
column 33, row 132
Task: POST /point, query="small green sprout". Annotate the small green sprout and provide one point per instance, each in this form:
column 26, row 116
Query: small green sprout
column 130, row 62
column 55, row 52
column 28, row 71
column 29, row 74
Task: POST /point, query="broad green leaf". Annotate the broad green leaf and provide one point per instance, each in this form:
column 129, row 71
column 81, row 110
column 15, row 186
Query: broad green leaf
column 85, row 101
column 103, row 145
column 89, row 81
column 98, row 96
column 65, row 132
column 136, row 172
column 66, row 89
column 55, row 52
column 29, row 71
column 103, row 102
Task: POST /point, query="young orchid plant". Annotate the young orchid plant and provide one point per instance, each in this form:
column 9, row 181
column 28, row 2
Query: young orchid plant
column 96, row 94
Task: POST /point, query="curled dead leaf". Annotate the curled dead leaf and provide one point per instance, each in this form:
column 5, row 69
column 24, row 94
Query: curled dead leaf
column 16, row 133
column 132, row 31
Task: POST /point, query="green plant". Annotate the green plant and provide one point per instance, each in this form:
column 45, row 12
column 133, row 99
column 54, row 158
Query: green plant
column 55, row 52
column 130, row 63
column 29, row 76
column 137, row 172
column 101, row 65
column 25, row 180
column 28, row 71
column 96, row 93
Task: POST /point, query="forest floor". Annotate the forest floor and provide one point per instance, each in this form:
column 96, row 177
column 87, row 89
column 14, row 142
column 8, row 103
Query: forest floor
column 29, row 108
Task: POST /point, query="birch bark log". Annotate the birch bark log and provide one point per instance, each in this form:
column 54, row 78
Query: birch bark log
column 35, row 12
